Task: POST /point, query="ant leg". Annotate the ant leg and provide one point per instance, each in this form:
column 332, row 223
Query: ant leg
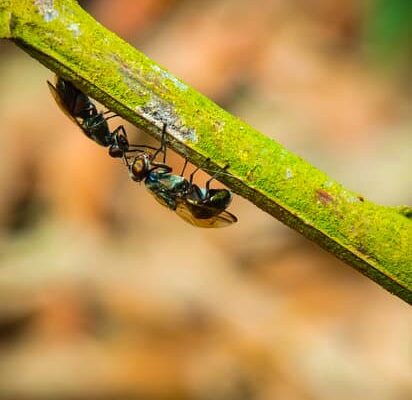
column 120, row 128
column 110, row 116
column 164, row 167
column 110, row 111
column 136, row 146
column 126, row 161
column 184, row 167
column 164, row 141
column 133, row 151
column 163, row 146
column 215, row 176
column 123, row 131
column 121, row 138
column 142, row 146
column 91, row 109
column 119, row 143
column 191, row 176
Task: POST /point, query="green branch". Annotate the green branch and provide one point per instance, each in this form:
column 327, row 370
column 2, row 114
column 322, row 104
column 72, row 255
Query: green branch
column 374, row 239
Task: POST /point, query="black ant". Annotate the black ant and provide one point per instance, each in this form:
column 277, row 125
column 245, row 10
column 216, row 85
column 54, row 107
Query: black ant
column 202, row 207
column 80, row 109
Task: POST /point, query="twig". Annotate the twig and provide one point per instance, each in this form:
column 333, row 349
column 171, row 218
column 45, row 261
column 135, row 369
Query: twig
column 374, row 239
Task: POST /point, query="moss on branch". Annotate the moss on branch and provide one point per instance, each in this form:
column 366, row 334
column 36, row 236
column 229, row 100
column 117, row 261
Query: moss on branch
column 374, row 239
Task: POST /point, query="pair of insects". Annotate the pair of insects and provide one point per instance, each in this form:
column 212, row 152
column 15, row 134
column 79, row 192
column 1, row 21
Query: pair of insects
column 202, row 207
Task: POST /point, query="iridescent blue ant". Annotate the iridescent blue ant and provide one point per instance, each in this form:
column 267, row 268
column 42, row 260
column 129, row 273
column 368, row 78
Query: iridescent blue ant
column 202, row 207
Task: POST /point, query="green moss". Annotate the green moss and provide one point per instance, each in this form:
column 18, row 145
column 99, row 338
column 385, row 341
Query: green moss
column 375, row 240
column 5, row 18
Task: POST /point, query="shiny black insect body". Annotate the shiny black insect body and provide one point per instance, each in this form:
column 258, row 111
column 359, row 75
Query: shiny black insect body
column 80, row 109
column 202, row 207
column 158, row 179
column 205, row 205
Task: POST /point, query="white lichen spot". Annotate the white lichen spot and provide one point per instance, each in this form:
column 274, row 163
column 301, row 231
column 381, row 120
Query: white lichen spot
column 159, row 113
column 289, row 173
column 166, row 74
column 46, row 9
column 348, row 196
column 351, row 198
column 178, row 82
column 75, row 28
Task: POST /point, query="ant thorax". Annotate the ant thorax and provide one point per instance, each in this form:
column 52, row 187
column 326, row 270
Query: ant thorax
column 165, row 187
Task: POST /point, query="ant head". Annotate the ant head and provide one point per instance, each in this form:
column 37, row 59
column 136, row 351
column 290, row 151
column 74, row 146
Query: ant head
column 140, row 167
column 116, row 151
column 119, row 147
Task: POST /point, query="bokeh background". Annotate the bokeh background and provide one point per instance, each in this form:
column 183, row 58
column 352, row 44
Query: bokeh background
column 104, row 294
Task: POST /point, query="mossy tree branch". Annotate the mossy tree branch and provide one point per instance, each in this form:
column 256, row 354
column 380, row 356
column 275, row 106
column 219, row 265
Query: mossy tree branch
column 374, row 239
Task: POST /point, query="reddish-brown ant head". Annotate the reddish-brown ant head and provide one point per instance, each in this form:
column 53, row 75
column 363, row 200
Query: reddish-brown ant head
column 140, row 167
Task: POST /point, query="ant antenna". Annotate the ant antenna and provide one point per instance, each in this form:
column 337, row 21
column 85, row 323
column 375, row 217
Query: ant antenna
column 111, row 116
column 215, row 176
column 191, row 176
column 141, row 146
column 184, row 167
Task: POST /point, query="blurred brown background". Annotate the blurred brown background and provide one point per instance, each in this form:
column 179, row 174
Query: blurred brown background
column 104, row 294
